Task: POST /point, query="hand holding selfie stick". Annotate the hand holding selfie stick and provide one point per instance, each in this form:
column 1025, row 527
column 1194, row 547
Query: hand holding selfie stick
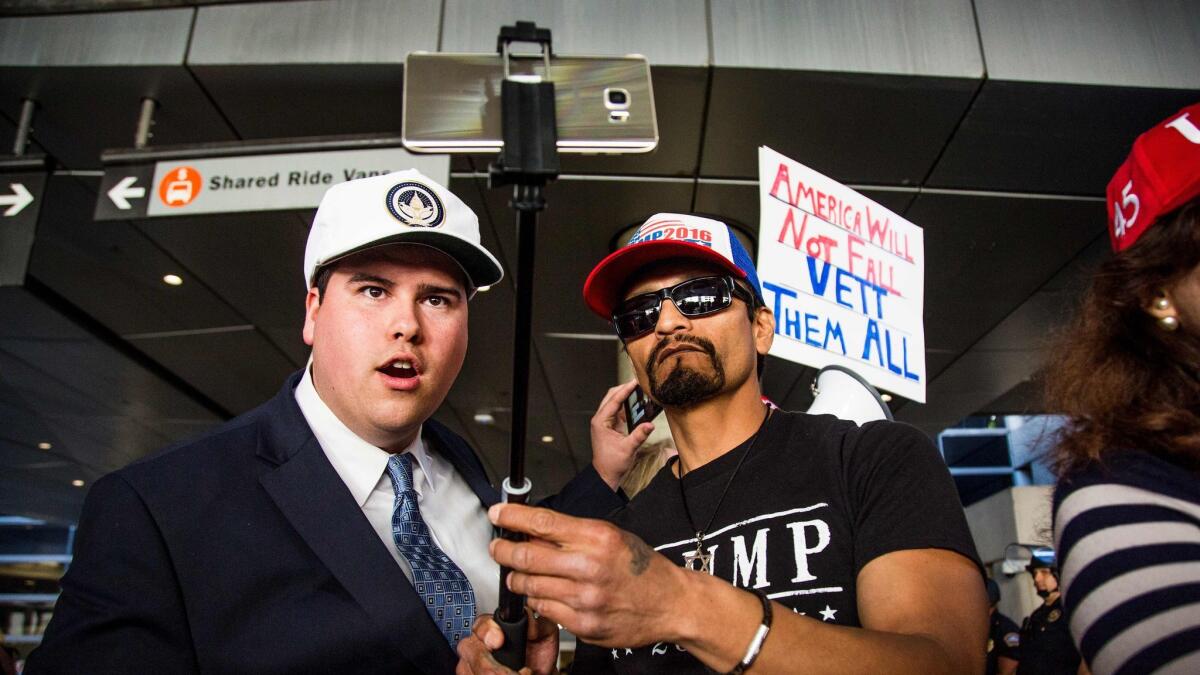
column 529, row 159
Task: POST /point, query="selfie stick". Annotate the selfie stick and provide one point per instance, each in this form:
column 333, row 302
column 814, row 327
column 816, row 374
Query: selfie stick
column 528, row 160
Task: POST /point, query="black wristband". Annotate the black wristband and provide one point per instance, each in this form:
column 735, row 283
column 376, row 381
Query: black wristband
column 760, row 636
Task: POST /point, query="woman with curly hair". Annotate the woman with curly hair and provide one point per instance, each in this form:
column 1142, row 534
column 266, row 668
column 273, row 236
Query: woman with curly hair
column 1127, row 376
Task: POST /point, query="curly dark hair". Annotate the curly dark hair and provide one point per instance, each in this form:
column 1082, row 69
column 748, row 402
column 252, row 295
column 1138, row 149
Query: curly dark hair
column 1122, row 381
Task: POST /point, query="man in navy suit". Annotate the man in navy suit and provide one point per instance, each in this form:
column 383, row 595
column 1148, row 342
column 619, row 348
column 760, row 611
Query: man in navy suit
column 320, row 531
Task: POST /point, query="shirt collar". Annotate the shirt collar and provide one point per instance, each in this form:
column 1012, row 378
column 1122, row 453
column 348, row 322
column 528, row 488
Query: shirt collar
column 359, row 464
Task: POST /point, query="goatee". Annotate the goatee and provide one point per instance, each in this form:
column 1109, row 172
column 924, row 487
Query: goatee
column 685, row 386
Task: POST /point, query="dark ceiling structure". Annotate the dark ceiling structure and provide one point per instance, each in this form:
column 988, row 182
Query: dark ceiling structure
column 994, row 125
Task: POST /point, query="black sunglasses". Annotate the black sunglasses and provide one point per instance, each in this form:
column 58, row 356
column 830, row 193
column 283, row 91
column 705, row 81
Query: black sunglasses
column 636, row 316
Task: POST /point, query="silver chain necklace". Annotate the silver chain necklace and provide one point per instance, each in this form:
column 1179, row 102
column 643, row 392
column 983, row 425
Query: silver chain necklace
column 700, row 560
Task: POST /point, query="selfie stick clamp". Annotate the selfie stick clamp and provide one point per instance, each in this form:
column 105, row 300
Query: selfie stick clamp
column 528, row 161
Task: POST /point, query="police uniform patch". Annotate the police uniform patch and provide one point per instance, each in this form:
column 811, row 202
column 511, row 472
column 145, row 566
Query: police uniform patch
column 1012, row 639
column 1054, row 614
column 416, row 205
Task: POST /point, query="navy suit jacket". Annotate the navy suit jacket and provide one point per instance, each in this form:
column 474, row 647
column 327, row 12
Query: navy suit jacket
column 244, row 551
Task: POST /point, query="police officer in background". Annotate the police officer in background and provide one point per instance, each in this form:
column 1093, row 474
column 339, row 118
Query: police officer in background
column 1004, row 637
column 1046, row 646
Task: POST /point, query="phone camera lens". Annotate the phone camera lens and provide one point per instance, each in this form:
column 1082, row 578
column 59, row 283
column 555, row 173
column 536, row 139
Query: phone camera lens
column 616, row 98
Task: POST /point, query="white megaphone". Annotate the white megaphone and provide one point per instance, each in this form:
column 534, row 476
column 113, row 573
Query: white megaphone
column 843, row 393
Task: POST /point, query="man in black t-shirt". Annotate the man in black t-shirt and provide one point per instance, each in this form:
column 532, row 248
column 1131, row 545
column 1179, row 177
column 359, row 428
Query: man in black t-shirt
column 790, row 542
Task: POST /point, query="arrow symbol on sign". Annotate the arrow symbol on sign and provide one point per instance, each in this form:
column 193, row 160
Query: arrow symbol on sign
column 122, row 192
column 18, row 200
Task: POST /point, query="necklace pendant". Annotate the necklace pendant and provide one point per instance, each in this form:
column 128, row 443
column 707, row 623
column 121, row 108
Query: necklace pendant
column 698, row 560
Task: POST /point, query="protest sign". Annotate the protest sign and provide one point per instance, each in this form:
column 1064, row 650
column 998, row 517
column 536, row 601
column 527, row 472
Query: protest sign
column 844, row 276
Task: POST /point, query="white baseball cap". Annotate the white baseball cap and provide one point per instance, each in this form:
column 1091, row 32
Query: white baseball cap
column 402, row 207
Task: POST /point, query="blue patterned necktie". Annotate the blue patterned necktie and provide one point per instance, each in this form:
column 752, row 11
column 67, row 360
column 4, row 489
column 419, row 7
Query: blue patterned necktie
column 443, row 586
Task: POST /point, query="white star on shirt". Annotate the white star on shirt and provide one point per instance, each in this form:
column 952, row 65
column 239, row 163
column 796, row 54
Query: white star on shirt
column 827, row 613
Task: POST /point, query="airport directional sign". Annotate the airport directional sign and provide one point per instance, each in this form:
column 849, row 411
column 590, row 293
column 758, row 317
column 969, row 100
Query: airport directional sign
column 265, row 182
column 21, row 197
column 123, row 192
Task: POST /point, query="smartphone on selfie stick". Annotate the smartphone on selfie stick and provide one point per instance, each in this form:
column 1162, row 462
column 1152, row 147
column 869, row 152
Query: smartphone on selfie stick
column 527, row 108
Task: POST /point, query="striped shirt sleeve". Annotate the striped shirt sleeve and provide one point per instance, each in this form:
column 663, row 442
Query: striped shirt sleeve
column 1130, row 575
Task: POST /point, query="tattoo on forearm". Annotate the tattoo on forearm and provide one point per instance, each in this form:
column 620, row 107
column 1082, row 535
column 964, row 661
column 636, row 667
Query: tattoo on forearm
column 640, row 553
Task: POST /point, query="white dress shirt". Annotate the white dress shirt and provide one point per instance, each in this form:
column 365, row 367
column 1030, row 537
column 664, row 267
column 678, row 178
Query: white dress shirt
column 449, row 507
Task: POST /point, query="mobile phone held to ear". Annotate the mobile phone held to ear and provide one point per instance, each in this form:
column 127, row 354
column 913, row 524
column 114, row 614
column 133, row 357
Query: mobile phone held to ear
column 639, row 408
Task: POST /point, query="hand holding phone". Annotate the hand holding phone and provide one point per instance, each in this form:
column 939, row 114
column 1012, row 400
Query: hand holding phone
column 615, row 441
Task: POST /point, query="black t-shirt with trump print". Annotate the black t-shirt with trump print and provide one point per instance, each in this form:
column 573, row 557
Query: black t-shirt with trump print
column 816, row 500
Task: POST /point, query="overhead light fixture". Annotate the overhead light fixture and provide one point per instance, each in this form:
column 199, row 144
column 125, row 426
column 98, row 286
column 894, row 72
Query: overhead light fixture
column 77, row 483
column 547, row 439
column 44, row 446
column 484, row 418
column 484, row 289
column 887, row 398
column 172, row 279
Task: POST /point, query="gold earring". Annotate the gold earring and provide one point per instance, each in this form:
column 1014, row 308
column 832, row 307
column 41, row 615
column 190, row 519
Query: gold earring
column 1162, row 304
column 1168, row 323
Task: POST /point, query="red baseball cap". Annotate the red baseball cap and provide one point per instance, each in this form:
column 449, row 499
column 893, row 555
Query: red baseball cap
column 664, row 236
column 1161, row 174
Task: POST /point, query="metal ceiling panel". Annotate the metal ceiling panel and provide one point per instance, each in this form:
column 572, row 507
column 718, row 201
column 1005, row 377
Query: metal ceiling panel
column 976, row 378
column 311, row 68
column 314, row 32
column 89, row 73
column 97, row 408
column 238, row 369
column 1125, row 43
column 1061, row 94
column 114, row 272
column 86, row 377
column 101, row 39
column 252, row 261
column 973, row 243
column 904, row 37
column 1050, row 308
column 855, row 128
column 667, row 32
column 1050, row 138
column 865, row 92
column 1024, row 399
column 281, row 101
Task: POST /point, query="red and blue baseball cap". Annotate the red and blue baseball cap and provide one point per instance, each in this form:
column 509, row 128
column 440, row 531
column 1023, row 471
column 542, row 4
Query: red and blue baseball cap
column 1161, row 174
column 668, row 236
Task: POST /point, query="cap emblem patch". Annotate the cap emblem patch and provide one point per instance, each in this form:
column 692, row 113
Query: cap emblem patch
column 672, row 229
column 415, row 205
